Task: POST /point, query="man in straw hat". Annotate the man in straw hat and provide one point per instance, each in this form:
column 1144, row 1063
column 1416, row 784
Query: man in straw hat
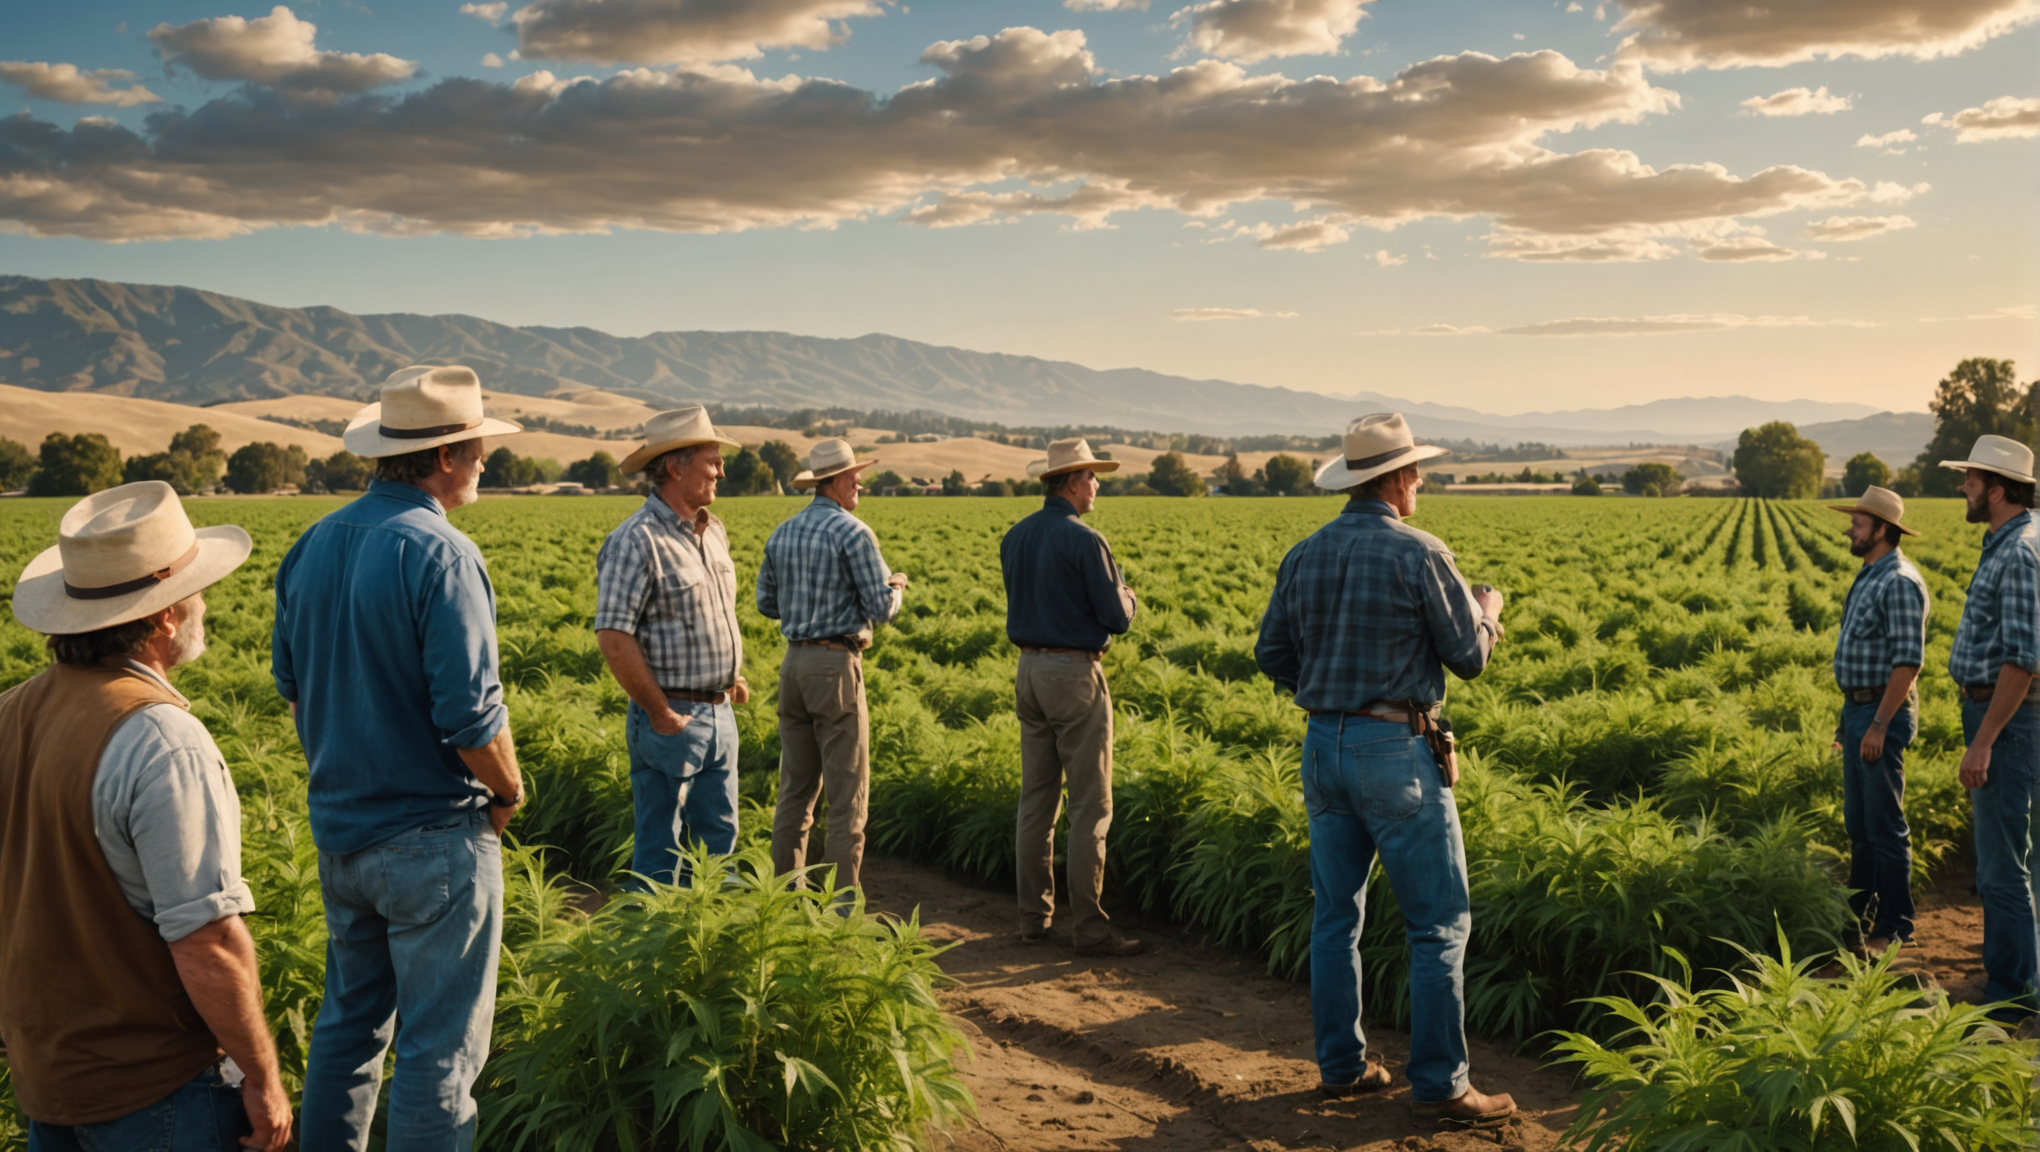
column 666, row 618
column 128, row 974
column 1877, row 660
column 385, row 645
column 1997, row 649
column 1065, row 602
column 1364, row 614
column 825, row 582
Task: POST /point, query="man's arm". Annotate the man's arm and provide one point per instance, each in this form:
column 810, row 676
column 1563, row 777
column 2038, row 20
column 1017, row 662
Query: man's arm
column 1905, row 617
column 768, row 585
column 282, row 669
column 626, row 660
column 1276, row 650
column 1112, row 603
column 2010, row 696
column 217, row 966
column 879, row 592
column 2018, row 600
column 495, row 765
column 1464, row 628
column 457, row 629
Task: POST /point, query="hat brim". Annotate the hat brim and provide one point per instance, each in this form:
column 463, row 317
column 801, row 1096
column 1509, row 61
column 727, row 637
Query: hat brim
column 1337, row 476
column 808, row 479
column 1966, row 465
column 1081, row 466
column 42, row 605
column 646, row 453
column 1868, row 512
column 364, row 437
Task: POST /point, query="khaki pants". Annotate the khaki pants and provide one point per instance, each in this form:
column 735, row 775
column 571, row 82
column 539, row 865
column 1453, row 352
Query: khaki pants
column 1065, row 735
column 824, row 745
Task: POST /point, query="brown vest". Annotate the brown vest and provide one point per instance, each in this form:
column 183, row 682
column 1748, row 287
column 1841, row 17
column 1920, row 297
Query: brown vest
column 95, row 1020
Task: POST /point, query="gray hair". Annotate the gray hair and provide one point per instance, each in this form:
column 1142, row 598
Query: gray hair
column 662, row 464
column 413, row 467
column 1050, row 485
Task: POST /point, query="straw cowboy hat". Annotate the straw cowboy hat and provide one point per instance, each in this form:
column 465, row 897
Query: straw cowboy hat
column 830, row 458
column 1071, row 455
column 423, row 407
column 680, row 428
column 1375, row 445
column 1882, row 503
column 2000, row 454
column 123, row 554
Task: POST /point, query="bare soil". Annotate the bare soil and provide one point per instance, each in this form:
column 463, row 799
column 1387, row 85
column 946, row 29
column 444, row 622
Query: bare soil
column 1948, row 935
column 1186, row 1047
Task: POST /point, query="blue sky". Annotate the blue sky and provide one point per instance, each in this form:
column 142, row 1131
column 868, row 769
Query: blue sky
column 1470, row 225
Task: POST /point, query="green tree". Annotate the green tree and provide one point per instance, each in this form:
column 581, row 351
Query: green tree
column 1777, row 463
column 258, row 467
column 1585, row 485
column 954, row 484
column 745, row 474
column 1233, row 479
column 343, row 471
column 597, row 471
column 1980, row 397
column 75, row 465
column 1906, row 481
column 884, row 480
column 1170, row 476
column 17, row 464
column 995, row 488
column 785, row 462
column 1286, row 475
column 1863, row 470
column 193, row 463
column 506, row 469
column 1652, row 478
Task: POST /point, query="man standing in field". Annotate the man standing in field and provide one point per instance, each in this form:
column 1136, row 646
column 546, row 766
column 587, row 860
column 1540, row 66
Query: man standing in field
column 130, row 1003
column 385, row 646
column 1877, row 660
column 824, row 581
column 1064, row 603
column 1997, row 649
column 666, row 618
column 1364, row 613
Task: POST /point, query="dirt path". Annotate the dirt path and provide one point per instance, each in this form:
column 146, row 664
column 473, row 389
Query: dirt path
column 1185, row 1048
column 1948, row 935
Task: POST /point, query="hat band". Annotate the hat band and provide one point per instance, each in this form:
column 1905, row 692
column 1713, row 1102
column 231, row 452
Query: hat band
column 137, row 584
column 1379, row 458
column 425, row 433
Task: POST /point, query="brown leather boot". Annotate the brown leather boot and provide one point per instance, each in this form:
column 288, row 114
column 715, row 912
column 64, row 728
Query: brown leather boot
column 1114, row 945
column 1471, row 1109
column 1374, row 1079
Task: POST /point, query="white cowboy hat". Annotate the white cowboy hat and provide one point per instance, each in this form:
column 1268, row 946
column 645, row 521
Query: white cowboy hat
column 829, row 458
column 423, row 407
column 680, row 428
column 1374, row 445
column 123, row 554
column 1071, row 455
column 1882, row 503
column 2000, row 454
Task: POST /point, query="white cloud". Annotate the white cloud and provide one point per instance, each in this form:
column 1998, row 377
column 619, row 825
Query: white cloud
column 1799, row 102
column 1602, row 249
column 1305, row 236
column 274, row 50
column 1669, row 325
column 1106, row 5
column 1887, row 140
column 681, row 31
column 65, row 84
column 2005, row 118
column 2011, row 312
column 1737, row 249
column 1200, row 315
column 1887, row 192
column 1678, row 35
column 491, row 60
column 1254, row 30
column 488, row 13
column 1839, row 228
column 1383, row 258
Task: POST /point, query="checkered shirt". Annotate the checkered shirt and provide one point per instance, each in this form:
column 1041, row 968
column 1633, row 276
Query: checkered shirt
column 823, row 577
column 673, row 586
column 1884, row 623
column 2001, row 620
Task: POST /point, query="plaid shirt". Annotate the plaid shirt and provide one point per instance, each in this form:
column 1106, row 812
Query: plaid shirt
column 823, row 578
column 673, row 586
column 2001, row 620
column 1884, row 623
column 1365, row 610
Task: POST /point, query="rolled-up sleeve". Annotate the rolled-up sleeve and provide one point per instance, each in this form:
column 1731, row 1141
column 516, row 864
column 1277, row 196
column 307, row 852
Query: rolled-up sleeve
column 1905, row 620
column 2018, row 593
column 1462, row 635
column 169, row 823
column 868, row 573
column 1112, row 603
column 457, row 624
column 623, row 584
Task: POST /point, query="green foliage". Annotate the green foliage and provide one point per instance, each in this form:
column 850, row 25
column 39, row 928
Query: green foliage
column 1652, row 478
column 17, row 463
column 506, row 469
column 1979, row 397
column 343, row 471
column 75, row 465
column 884, row 480
column 1170, row 476
column 265, row 467
column 1777, row 463
column 1863, row 470
column 1781, row 1059
column 597, row 471
column 194, row 462
column 1233, row 479
column 1585, row 485
column 779, row 456
column 746, row 474
column 1286, row 475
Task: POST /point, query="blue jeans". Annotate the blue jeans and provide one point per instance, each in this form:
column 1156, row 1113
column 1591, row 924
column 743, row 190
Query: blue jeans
column 203, row 1116
column 414, row 927
column 2003, row 813
column 683, row 786
column 1873, row 812
column 1372, row 788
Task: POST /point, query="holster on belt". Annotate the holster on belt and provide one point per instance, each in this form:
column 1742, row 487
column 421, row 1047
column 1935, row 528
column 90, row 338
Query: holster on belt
column 1437, row 732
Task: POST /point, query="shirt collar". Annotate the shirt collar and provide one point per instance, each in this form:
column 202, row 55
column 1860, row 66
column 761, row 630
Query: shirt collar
column 135, row 665
column 665, row 514
column 1058, row 504
column 2005, row 531
column 1888, row 560
column 406, row 493
column 824, row 505
column 1364, row 505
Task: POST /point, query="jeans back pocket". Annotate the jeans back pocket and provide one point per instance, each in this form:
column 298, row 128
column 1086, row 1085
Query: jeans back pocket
column 1391, row 780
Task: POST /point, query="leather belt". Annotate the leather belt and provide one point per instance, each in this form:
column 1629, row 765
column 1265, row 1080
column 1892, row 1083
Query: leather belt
column 1091, row 654
column 1862, row 695
column 838, row 645
column 1986, row 691
column 690, row 695
column 1398, row 713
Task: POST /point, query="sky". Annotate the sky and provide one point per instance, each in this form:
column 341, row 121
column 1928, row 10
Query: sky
column 1526, row 206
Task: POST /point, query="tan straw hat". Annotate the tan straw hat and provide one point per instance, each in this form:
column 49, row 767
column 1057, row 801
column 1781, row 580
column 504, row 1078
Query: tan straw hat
column 680, row 428
column 1071, row 455
column 123, row 554
column 830, row 458
column 1374, row 445
column 1882, row 503
column 2000, row 454
column 423, row 407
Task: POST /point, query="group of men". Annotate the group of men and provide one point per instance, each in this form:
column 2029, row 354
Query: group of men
column 130, row 1003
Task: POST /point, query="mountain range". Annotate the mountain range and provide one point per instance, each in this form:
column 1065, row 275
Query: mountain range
column 191, row 346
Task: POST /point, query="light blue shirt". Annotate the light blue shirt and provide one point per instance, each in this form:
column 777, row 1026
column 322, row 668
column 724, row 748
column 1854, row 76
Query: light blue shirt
column 2001, row 618
column 823, row 577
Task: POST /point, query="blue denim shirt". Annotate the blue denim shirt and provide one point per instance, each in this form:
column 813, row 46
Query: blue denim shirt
column 386, row 641
column 2001, row 619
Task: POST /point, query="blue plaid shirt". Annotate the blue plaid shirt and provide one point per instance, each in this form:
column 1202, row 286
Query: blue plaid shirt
column 1367, row 609
column 1884, row 623
column 823, row 578
column 2001, row 620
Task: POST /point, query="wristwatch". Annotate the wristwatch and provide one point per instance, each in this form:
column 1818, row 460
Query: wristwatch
column 516, row 801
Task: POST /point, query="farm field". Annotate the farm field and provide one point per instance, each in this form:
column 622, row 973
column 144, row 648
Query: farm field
column 1648, row 767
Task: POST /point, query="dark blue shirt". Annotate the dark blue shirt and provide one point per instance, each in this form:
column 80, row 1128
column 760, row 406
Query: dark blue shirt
column 386, row 642
column 1062, row 585
column 1367, row 609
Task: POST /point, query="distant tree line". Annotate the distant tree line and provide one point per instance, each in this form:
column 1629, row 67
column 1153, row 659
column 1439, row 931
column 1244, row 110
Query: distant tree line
column 78, row 465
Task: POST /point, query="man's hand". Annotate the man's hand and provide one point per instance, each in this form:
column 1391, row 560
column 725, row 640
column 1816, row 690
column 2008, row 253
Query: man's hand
column 1490, row 601
column 500, row 814
column 1975, row 766
column 897, row 580
column 667, row 722
column 268, row 1112
column 1873, row 744
column 740, row 692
